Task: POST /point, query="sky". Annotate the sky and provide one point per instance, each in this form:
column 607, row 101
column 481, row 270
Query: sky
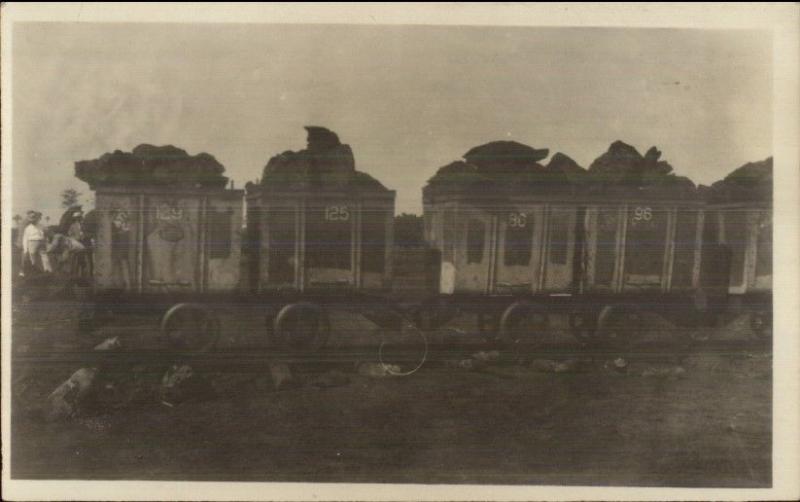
column 407, row 99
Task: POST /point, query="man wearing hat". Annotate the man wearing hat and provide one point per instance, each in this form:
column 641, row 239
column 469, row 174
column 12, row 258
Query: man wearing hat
column 69, row 240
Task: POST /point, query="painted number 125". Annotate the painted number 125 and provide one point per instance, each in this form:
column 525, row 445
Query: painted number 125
column 337, row 213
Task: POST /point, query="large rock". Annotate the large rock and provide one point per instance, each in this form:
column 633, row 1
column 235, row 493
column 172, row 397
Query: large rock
column 504, row 156
column 652, row 155
column 484, row 356
column 108, row 344
column 378, row 370
column 562, row 163
column 69, row 398
column 623, row 167
column 324, row 162
column 320, row 139
column 618, row 155
column 752, row 181
column 670, row 372
column 459, row 174
column 282, row 377
column 503, row 165
column 152, row 165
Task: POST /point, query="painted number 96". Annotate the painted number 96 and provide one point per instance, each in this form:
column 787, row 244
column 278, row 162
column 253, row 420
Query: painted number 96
column 518, row 220
column 337, row 213
column 642, row 214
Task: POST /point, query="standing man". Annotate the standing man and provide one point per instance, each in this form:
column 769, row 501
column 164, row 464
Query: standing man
column 33, row 245
column 121, row 247
column 73, row 249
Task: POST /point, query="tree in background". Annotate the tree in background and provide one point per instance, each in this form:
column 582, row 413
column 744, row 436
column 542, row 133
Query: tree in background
column 409, row 230
column 69, row 198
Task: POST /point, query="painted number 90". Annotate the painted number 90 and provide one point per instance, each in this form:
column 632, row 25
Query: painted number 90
column 517, row 220
column 337, row 213
column 642, row 214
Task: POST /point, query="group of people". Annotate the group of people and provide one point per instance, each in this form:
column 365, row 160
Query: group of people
column 64, row 248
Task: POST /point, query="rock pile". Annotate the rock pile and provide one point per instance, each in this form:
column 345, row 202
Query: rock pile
column 511, row 166
column 506, row 158
column 561, row 162
column 623, row 168
column 152, row 165
column 750, row 182
column 325, row 162
column 503, row 165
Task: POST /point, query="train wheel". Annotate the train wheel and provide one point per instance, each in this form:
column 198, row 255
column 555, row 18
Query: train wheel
column 524, row 324
column 303, row 325
column 191, row 327
column 404, row 347
column 619, row 326
column 761, row 324
column 582, row 326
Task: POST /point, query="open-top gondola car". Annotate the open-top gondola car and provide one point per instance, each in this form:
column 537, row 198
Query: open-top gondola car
column 168, row 238
column 520, row 241
column 320, row 235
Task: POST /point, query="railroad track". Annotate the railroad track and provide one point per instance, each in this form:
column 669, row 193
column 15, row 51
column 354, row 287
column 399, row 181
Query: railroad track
column 258, row 358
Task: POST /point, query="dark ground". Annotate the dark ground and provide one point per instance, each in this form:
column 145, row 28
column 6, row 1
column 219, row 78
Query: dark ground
column 652, row 425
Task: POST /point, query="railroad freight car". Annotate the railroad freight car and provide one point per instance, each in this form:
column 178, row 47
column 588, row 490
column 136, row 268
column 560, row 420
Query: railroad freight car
column 168, row 232
column 170, row 240
column 319, row 237
column 164, row 226
column 511, row 240
column 738, row 242
column 520, row 241
column 317, row 223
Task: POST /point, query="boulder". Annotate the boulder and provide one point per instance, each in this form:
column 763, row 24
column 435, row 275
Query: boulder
column 573, row 366
column 378, row 370
column 324, row 162
column 320, row 139
column 490, row 356
column 623, row 167
column 617, row 164
column 565, row 366
column 152, row 165
column 112, row 343
column 69, row 398
column 652, row 155
column 619, row 365
column 506, row 166
column 282, row 377
column 504, row 157
column 750, row 182
column 562, row 163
